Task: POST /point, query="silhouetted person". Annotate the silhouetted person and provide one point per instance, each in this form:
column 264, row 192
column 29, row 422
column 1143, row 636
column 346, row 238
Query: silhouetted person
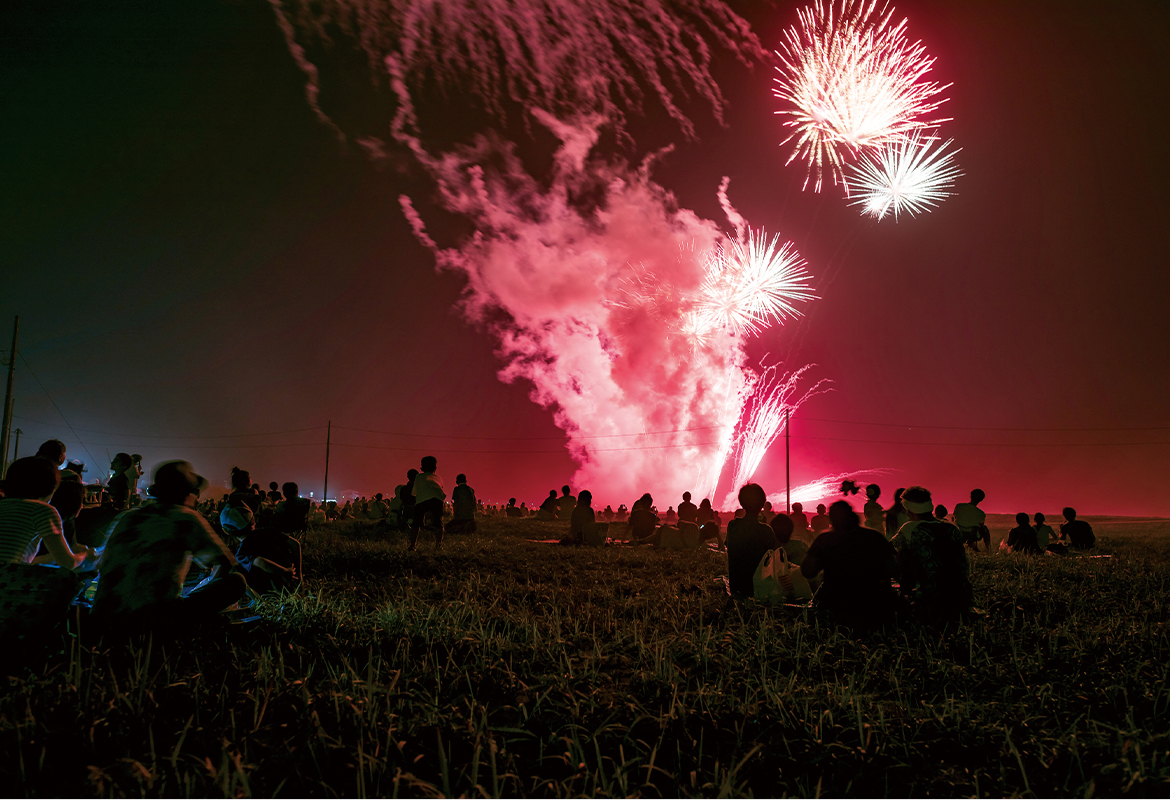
column 119, row 484
column 643, row 521
column 859, row 564
column 933, row 567
column 548, row 509
column 512, row 510
column 243, row 493
column 623, row 513
column 270, row 558
column 1078, row 532
column 820, row 523
column 940, row 511
column 1022, row 538
column 875, row 515
column 565, row 505
column 896, row 516
column 799, row 521
column 607, row 513
column 747, row 541
column 794, row 549
column 273, row 496
column 149, row 553
column 54, row 451
column 704, row 514
column 671, row 516
column 1046, row 537
column 292, row 513
column 463, row 506
column 583, row 515
column 428, row 501
column 971, row 520
column 687, row 511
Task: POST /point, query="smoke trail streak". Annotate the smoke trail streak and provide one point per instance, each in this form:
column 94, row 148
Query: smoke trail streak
column 571, row 57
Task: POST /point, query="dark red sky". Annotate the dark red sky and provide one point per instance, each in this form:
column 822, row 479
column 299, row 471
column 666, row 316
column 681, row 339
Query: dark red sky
column 193, row 255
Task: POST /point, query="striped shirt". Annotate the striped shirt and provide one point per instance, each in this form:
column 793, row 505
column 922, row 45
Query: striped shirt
column 23, row 523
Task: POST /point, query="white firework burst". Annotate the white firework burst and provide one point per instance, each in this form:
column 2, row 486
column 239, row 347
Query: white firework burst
column 908, row 177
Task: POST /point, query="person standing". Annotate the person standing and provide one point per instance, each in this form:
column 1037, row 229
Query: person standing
column 428, row 502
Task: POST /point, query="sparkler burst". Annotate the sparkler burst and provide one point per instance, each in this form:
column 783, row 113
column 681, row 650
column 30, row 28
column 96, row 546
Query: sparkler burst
column 911, row 176
column 850, row 79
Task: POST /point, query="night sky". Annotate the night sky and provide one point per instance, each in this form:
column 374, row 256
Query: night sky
column 196, row 260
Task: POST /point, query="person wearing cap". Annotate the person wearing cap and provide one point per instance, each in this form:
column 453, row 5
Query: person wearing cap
column 27, row 519
column 932, row 560
column 150, row 551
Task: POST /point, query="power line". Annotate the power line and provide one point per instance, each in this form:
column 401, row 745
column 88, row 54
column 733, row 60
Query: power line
column 529, row 438
column 962, row 428
column 985, row 444
column 54, row 402
column 521, row 452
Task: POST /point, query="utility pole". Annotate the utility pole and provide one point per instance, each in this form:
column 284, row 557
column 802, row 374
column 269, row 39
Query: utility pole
column 787, row 469
column 8, row 400
column 328, row 436
column 16, row 447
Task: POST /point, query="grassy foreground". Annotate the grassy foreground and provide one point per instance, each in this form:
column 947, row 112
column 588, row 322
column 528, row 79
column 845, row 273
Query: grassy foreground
column 503, row 666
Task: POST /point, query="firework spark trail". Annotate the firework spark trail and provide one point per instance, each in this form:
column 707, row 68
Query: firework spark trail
column 596, row 300
column 905, row 177
column 773, row 394
column 569, row 57
column 822, row 489
column 851, row 79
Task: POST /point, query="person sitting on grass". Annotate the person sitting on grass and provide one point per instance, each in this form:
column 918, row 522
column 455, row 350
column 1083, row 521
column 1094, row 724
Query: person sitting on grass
column 1045, row 538
column 940, row 511
column 583, row 515
column 273, row 496
column 971, row 520
column 242, row 492
column 292, row 513
column 794, row 549
column 747, row 541
column 149, row 553
column 565, row 505
column 269, row 557
column 704, row 513
column 933, row 567
column 27, row 519
column 512, row 510
column 548, row 509
column 607, row 513
column 821, row 522
column 687, row 511
column 428, row 502
column 1022, row 538
column 859, row 564
column 875, row 515
column 463, row 505
column 643, row 521
column 1079, row 533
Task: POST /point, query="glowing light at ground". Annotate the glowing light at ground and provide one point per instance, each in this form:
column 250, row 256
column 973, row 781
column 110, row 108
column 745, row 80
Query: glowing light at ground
column 823, row 490
column 774, row 394
column 850, row 79
column 908, row 177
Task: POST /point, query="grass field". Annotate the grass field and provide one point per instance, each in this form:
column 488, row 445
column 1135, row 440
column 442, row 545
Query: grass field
column 503, row 666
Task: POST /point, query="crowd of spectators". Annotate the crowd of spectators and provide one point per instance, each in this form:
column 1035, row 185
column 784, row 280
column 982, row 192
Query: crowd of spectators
column 170, row 557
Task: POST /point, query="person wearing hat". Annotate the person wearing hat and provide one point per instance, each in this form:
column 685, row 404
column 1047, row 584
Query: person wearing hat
column 151, row 549
column 932, row 560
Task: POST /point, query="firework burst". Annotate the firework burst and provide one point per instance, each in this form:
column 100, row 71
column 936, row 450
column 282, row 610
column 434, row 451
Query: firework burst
column 750, row 283
column 909, row 177
column 850, row 80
